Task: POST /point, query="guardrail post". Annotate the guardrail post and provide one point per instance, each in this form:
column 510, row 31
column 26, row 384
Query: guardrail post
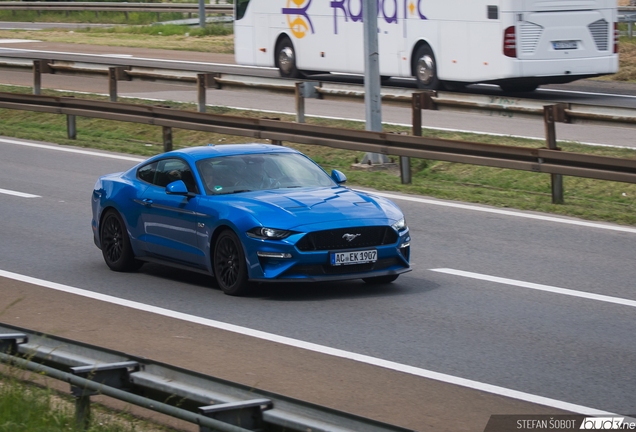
column 300, row 103
column 71, row 129
column 167, row 138
column 417, row 101
column 305, row 90
column 112, row 83
column 201, row 87
column 550, row 132
column 39, row 67
column 83, row 411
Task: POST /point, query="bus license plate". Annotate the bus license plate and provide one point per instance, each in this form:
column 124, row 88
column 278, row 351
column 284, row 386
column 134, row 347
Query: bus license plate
column 565, row 45
column 357, row 257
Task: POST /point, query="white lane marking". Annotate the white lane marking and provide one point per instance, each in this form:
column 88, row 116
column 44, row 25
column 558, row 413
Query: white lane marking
column 506, row 212
column 19, row 194
column 145, row 59
column 6, row 41
column 71, row 150
column 538, row 287
column 424, row 373
column 547, row 90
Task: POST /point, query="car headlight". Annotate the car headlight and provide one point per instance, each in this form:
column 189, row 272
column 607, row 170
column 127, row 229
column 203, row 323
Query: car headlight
column 399, row 225
column 263, row 233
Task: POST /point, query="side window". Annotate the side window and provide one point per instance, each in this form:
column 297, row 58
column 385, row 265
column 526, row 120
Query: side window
column 241, row 6
column 147, row 172
column 170, row 170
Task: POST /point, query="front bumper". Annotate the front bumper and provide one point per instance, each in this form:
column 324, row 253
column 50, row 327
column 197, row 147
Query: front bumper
column 315, row 266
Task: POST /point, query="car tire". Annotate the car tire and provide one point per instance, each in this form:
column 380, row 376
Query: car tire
column 230, row 267
column 286, row 59
column 378, row 280
column 425, row 68
column 115, row 243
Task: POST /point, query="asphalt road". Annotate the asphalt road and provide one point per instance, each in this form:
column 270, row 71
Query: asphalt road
column 564, row 345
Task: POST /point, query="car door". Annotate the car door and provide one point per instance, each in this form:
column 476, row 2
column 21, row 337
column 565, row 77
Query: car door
column 170, row 221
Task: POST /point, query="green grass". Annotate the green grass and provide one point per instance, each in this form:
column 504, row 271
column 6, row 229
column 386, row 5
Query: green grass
column 26, row 407
column 134, row 18
column 584, row 198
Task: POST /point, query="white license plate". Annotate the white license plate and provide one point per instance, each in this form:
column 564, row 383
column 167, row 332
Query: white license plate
column 357, row 257
column 565, row 45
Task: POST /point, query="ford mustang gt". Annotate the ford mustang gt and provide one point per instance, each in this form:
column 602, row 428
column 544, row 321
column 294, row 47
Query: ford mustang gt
column 247, row 213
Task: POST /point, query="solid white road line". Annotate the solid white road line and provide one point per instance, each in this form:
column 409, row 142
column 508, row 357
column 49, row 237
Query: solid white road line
column 538, row 287
column 424, row 373
column 144, row 59
column 72, row 150
column 19, row 194
column 6, row 41
column 506, row 212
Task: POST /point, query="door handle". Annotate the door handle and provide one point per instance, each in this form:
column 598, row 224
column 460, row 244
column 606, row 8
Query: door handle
column 147, row 202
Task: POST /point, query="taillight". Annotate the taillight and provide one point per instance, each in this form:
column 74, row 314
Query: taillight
column 615, row 38
column 510, row 42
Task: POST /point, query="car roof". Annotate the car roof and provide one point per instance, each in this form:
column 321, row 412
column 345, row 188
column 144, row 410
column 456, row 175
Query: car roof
column 204, row 152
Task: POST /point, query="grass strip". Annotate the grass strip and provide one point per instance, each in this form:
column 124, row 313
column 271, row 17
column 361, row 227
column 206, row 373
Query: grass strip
column 584, row 198
column 29, row 407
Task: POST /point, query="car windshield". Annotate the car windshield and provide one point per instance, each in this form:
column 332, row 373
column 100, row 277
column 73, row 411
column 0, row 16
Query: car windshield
column 254, row 172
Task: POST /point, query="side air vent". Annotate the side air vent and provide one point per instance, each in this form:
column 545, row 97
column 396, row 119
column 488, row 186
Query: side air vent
column 600, row 34
column 529, row 35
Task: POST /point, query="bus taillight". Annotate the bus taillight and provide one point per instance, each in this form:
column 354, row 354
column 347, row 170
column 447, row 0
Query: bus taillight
column 510, row 42
column 615, row 38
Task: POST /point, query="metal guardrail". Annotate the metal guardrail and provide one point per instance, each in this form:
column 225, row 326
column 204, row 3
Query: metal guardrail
column 212, row 403
column 627, row 15
column 503, row 106
column 114, row 7
column 542, row 160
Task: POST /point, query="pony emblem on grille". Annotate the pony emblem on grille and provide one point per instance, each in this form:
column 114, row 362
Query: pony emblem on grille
column 350, row 237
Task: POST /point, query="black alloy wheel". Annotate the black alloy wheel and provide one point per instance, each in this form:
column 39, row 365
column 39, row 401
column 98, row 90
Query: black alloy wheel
column 115, row 243
column 230, row 267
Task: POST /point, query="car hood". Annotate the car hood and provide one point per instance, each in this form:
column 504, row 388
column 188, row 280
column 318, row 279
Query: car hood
column 292, row 208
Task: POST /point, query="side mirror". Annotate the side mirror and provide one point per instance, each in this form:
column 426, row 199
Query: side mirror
column 177, row 188
column 338, row 177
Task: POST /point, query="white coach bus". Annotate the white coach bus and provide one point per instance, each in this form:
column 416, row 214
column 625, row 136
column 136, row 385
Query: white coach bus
column 517, row 44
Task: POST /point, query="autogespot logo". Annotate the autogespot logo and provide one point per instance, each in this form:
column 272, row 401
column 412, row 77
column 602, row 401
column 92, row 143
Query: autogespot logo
column 298, row 18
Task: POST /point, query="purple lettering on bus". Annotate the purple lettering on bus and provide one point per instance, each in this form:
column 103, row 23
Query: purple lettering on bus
column 302, row 12
column 338, row 4
column 355, row 18
column 389, row 19
column 345, row 7
column 419, row 10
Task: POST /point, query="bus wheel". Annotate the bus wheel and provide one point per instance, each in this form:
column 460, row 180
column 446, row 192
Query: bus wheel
column 286, row 59
column 425, row 68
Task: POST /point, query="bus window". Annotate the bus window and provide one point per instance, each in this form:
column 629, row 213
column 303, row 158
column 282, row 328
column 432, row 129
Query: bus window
column 241, row 6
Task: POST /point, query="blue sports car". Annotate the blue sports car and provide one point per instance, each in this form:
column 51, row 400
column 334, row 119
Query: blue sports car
column 247, row 213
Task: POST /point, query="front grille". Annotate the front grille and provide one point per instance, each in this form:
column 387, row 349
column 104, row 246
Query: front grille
column 600, row 33
column 371, row 236
column 529, row 35
column 328, row 270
